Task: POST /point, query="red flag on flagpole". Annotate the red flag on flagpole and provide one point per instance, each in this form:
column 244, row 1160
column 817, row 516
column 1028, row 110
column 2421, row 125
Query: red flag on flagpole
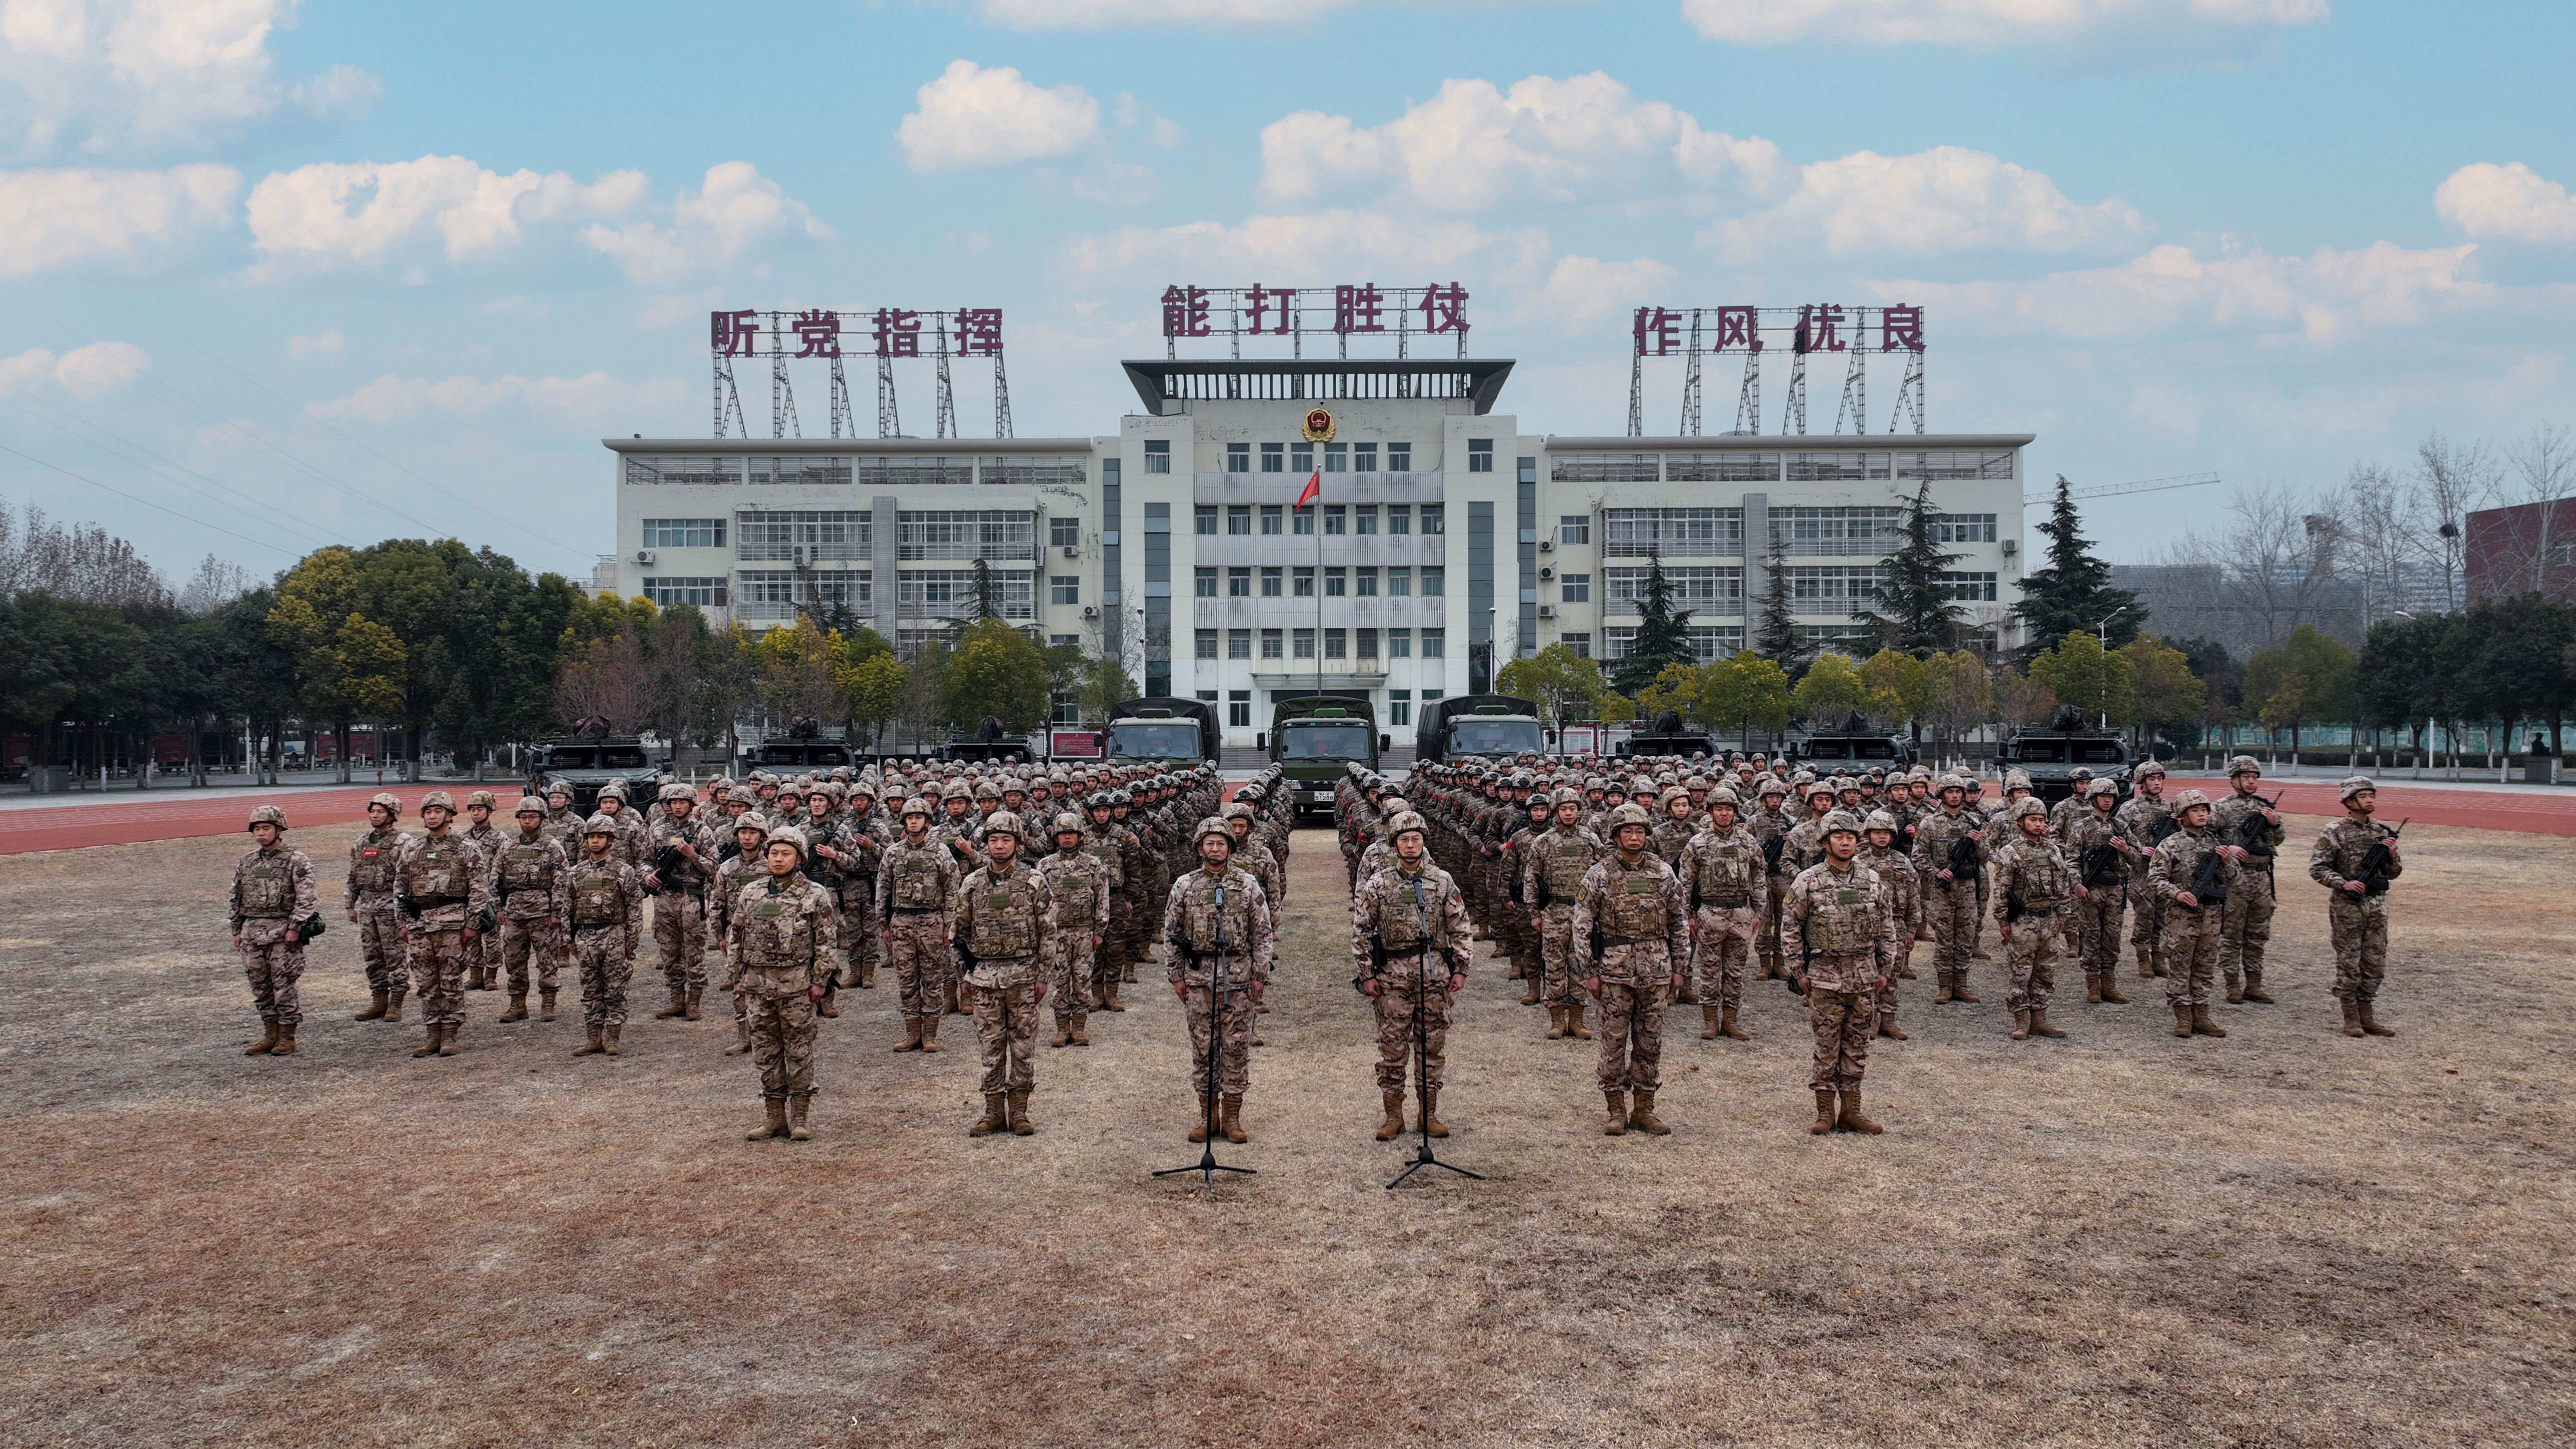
column 1314, row 488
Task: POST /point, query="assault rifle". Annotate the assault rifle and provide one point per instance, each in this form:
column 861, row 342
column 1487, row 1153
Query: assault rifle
column 2374, row 864
column 2248, row 834
column 2102, row 867
column 1771, row 850
column 2014, row 907
column 666, row 863
column 2206, row 887
column 2164, row 831
column 1962, row 863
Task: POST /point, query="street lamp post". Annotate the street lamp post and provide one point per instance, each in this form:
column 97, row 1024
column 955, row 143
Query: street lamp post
column 2102, row 637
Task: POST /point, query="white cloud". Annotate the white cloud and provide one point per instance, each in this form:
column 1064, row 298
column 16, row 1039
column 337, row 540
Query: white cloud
column 972, row 117
column 1947, row 199
column 1472, row 146
column 1099, row 14
column 55, row 220
column 1978, row 22
column 2512, row 201
column 735, row 210
column 2327, row 296
column 1304, row 250
column 1581, row 289
column 325, row 347
column 84, row 372
column 361, row 213
column 98, row 74
column 594, row 398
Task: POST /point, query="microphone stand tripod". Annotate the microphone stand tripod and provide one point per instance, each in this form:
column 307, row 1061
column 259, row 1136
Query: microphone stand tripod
column 1207, row 1167
column 1422, row 1157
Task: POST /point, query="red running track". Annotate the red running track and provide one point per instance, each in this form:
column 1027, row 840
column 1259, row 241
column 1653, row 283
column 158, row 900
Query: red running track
column 2533, row 813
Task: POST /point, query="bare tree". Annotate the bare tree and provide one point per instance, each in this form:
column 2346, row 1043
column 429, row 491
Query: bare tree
column 216, row 583
column 83, row 562
column 611, row 680
column 2453, row 479
column 2543, row 464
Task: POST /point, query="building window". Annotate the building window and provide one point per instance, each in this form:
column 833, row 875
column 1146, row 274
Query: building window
column 1833, row 590
column 1305, row 521
column 1064, row 589
column 1336, row 519
column 1574, row 528
column 1238, row 583
column 1238, row 520
column 1238, row 457
column 1301, row 457
column 703, row 593
column 1305, row 582
column 1064, row 533
column 1399, row 582
column 1270, row 639
column 1270, row 583
column 1366, row 517
column 1207, row 643
column 1480, row 455
column 1399, row 518
column 1367, row 581
column 1304, row 642
column 1963, row 528
column 1158, row 455
column 1399, row 643
column 1238, row 707
column 1337, row 458
column 1399, row 708
column 684, row 533
column 1581, row 644
column 1270, row 519
column 1435, row 518
column 1969, row 587
column 1399, row 457
column 1368, row 643
column 1435, row 582
column 1238, row 643
column 1574, row 588
column 1337, row 581
column 1337, row 644
column 1363, row 457
column 1056, row 640
column 1203, row 520
column 1273, row 458
column 1434, row 646
column 765, row 536
column 1203, row 583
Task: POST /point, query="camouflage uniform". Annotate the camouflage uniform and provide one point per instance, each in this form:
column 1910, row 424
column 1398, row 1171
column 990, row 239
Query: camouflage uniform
column 1000, row 912
column 1111, row 844
column 862, row 947
column 441, row 877
column 2098, row 915
column 1632, row 933
column 1895, row 870
column 785, row 931
column 370, row 894
column 1193, row 928
column 1727, row 879
column 1552, row 881
column 2190, row 944
column 1845, row 920
column 1077, row 884
column 2246, row 924
column 680, row 908
column 272, row 894
column 606, row 909
column 2357, row 924
column 1404, row 923
column 531, row 890
column 916, row 889
column 732, row 874
column 2142, row 820
column 2030, row 873
column 1950, row 906
column 483, row 953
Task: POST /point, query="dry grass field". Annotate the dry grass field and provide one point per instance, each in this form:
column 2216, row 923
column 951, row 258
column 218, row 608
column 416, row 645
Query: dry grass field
column 2282, row 1238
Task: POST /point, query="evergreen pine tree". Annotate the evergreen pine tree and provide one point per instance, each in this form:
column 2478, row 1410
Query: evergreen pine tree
column 1912, row 610
column 2074, row 592
column 1776, row 637
column 986, row 595
column 1663, row 634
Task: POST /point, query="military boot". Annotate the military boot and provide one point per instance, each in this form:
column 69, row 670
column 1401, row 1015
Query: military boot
column 930, row 1033
column 1232, row 1124
column 518, row 1007
column 1888, row 1028
column 2182, row 1019
column 1109, row 995
column 1020, row 1113
column 375, row 1006
column 1128, row 975
column 2254, row 988
column 1726, row 1026
column 2039, row 1024
column 796, row 1130
column 1079, row 1038
column 473, row 978
column 1688, row 995
column 2201, row 1025
column 911, row 1036
column 1063, row 1031
column 2352, row 1019
column 1708, row 1019
column 267, row 1041
column 948, row 999
column 1959, row 989
column 690, row 1012
column 285, row 1041
column 1431, row 1123
column 1574, row 1026
column 591, row 1046
column 1824, row 1122
column 545, row 1006
column 679, row 1005
column 2235, row 990
column 1529, row 995
column 2092, row 988
column 1641, row 1115
column 429, row 1045
column 2157, row 960
column 1393, row 1102
column 1851, row 1120
column 2111, row 989
column 1201, row 1118
column 2370, row 1024
column 1941, row 993
column 1616, row 1124
column 447, row 1046
column 774, row 1126
column 823, row 1007
column 996, row 1116
column 2021, row 1025
column 1555, row 1022
column 393, row 1004
column 608, row 1039
column 1905, row 968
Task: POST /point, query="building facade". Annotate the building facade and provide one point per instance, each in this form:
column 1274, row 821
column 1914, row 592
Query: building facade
column 1445, row 539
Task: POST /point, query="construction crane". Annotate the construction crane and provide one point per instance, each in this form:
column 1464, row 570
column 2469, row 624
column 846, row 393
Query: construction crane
column 2110, row 490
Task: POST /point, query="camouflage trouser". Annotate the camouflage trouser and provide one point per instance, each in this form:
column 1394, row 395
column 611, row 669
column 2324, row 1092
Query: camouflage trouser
column 2147, row 919
column 1234, row 1040
column 606, row 959
column 1006, row 1028
column 2190, row 948
column 1844, row 1021
column 1521, row 936
column 522, row 937
column 2098, row 924
column 273, row 959
column 438, row 973
column 1394, row 1003
column 917, row 948
column 2030, row 958
column 2358, row 926
column 1072, row 968
column 2245, row 927
column 1952, row 911
column 380, row 944
column 1892, row 958
column 1562, row 983
column 483, row 953
column 1632, row 1025
column 680, row 933
column 862, row 949
column 782, row 1044
column 1774, row 894
column 1726, row 937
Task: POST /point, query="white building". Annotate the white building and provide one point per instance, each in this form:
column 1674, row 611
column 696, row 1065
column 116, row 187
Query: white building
column 1446, row 535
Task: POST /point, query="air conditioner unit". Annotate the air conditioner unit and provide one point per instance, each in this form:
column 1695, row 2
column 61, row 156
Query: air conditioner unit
column 1071, row 551
column 804, row 555
column 2011, row 546
column 1547, row 545
column 1547, row 571
column 1547, row 611
column 644, row 556
column 1091, row 611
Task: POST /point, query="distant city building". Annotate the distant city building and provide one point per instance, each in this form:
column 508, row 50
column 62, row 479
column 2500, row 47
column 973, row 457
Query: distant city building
column 2522, row 549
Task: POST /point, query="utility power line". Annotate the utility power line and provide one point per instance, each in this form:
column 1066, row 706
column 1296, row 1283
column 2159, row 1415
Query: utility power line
column 2113, row 490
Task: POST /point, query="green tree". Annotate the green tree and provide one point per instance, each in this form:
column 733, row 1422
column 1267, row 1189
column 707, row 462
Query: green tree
column 1663, row 634
column 2020, row 700
column 2074, row 592
column 1776, row 636
column 1911, row 609
column 1958, row 695
column 1676, row 689
column 2077, row 672
column 1566, row 686
column 874, row 685
column 1830, row 690
column 995, row 671
column 1103, row 687
column 2171, row 702
column 1744, row 694
column 1899, row 685
column 2301, row 679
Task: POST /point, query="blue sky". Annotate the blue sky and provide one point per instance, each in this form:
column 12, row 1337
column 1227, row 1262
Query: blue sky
column 332, row 272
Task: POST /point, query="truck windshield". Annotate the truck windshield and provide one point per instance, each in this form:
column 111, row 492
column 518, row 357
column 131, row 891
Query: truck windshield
column 2040, row 752
column 1494, row 737
column 1155, row 740
column 1325, row 742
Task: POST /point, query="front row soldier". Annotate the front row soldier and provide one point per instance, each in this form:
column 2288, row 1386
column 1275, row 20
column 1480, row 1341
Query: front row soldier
column 2100, row 854
column 607, row 913
column 369, row 900
column 750, row 832
column 784, row 930
column 1076, row 882
column 530, row 878
column 2034, row 898
column 1842, row 920
column 1632, row 931
column 916, row 882
column 1404, row 917
column 1726, row 877
column 273, row 916
column 2350, row 862
column 2187, row 864
column 679, row 856
column 439, row 877
column 1221, row 939
column 1001, row 908
column 1552, row 878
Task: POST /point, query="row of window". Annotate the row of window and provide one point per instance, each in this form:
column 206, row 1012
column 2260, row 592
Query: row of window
column 778, row 593
column 1636, row 531
column 1747, row 467
column 1300, row 457
column 1340, row 581
column 1238, row 704
column 1338, row 643
column 907, row 471
column 1339, row 518
column 782, row 535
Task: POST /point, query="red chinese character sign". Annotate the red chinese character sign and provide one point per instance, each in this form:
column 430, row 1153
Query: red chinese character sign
column 888, row 334
column 1342, row 312
column 1808, row 330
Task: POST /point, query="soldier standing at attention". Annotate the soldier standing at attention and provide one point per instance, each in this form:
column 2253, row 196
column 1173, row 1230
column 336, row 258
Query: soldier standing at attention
column 1116, row 847
column 1725, row 877
column 2357, row 906
column 2101, row 856
column 2079, row 797
column 1406, row 918
column 483, row 954
column 1895, row 870
column 916, row 889
column 272, row 901
column 2035, row 895
column 2143, row 820
column 680, row 899
column 1632, row 927
column 2246, row 926
column 1216, row 919
column 440, row 877
column 1001, row 911
column 1771, row 822
column 784, row 932
column 2190, row 946
column 607, row 924
column 742, row 861
column 1950, row 897
column 531, row 880
column 1551, row 881
column 369, row 900
column 1075, row 881
column 855, row 849
column 1844, row 921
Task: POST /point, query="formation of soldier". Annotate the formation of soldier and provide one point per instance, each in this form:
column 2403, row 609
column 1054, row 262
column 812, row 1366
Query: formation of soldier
column 995, row 892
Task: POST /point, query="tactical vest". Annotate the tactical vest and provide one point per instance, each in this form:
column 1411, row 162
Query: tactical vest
column 1726, row 873
column 371, row 864
column 1399, row 924
column 1632, row 903
column 1200, row 919
column 526, row 865
column 916, row 878
column 1564, row 858
column 266, row 889
column 1845, row 918
column 596, row 900
column 1006, row 916
column 435, row 873
column 776, row 933
column 1075, row 888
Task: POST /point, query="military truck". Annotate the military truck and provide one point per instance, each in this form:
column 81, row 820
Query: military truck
column 1477, row 724
column 2049, row 755
column 1855, row 743
column 1668, row 736
column 584, row 761
column 803, row 747
column 1163, row 729
column 989, row 742
column 1314, row 738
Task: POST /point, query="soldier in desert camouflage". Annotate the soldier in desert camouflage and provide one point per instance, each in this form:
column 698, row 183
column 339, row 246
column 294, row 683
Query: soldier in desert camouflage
column 439, row 879
column 1632, row 935
column 1220, row 938
column 1725, row 877
column 607, row 924
column 1842, row 917
column 916, row 889
column 2189, row 949
column 369, row 899
column 1001, row 917
column 2357, row 908
column 531, row 877
column 1409, row 942
column 272, row 900
column 483, row 953
column 1075, row 880
column 784, row 930
column 2035, row 898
